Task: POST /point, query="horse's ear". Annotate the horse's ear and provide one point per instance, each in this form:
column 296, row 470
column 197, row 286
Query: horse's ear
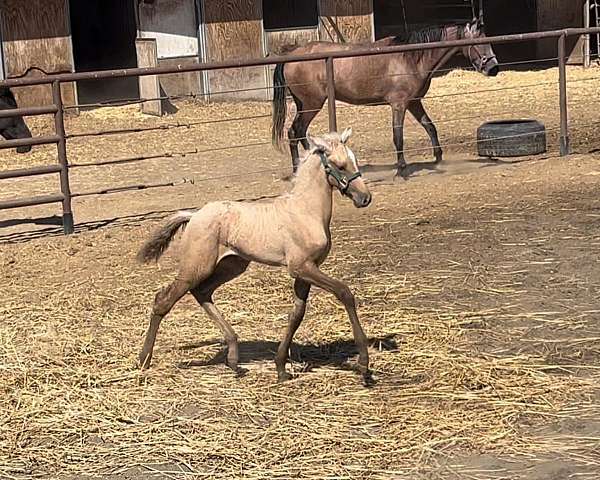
column 317, row 143
column 346, row 134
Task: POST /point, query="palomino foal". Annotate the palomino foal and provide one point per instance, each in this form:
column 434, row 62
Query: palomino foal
column 292, row 230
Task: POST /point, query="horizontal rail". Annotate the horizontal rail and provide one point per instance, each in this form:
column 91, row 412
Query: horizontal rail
column 128, row 188
column 31, row 201
column 26, row 142
column 29, row 172
column 257, row 62
column 28, row 112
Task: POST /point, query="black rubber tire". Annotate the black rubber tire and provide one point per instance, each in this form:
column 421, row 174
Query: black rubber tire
column 511, row 138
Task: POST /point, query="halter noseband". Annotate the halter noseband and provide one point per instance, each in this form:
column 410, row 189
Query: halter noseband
column 341, row 178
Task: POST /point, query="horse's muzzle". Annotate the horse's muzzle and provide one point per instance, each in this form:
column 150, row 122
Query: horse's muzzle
column 491, row 68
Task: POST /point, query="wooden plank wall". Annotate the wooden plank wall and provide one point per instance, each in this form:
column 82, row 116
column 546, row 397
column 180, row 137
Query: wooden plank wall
column 234, row 30
column 36, row 33
column 557, row 14
column 354, row 19
column 278, row 40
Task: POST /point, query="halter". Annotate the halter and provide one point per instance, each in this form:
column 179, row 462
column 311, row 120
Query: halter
column 482, row 58
column 341, row 178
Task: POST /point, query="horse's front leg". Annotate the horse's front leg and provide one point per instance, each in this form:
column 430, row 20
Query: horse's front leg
column 398, row 114
column 309, row 272
column 418, row 111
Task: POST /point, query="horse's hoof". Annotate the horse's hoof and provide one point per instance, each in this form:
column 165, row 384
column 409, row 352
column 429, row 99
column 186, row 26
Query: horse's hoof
column 402, row 172
column 284, row 377
column 240, row 372
column 368, row 379
column 144, row 362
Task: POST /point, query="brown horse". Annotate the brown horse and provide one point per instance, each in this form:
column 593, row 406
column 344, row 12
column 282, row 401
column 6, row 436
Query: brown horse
column 292, row 231
column 400, row 80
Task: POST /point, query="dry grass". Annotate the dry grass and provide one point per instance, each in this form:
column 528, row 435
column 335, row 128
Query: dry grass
column 479, row 293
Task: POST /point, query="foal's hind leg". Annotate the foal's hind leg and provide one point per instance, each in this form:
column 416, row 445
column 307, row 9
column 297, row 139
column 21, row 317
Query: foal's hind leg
column 228, row 268
column 164, row 301
column 301, row 291
column 416, row 108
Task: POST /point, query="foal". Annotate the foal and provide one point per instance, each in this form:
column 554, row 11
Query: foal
column 292, row 230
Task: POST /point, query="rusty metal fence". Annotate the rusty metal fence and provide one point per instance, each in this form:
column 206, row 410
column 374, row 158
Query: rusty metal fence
column 57, row 109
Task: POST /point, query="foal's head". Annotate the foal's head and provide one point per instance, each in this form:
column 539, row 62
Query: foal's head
column 482, row 57
column 341, row 167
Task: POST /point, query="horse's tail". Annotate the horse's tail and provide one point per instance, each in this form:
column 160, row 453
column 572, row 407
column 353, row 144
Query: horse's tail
column 279, row 105
column 156, row 245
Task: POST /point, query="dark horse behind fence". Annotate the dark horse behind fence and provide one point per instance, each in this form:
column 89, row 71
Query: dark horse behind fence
column 12, row 128
column 400, row 80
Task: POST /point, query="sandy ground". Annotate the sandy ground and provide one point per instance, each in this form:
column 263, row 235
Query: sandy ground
column 478, row 285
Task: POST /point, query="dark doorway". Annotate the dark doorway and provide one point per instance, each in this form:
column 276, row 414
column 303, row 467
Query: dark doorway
column 395, row 17
column 104, row 33
column 504, row 18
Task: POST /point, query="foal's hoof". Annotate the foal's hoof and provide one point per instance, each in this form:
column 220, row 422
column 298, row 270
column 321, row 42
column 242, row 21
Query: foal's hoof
column 368, row 379
column 284, row 377
column 240, row 372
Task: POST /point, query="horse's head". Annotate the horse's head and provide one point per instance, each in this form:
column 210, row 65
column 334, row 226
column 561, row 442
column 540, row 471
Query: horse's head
column 482, row 57
column 341, row 166
column 12, row 127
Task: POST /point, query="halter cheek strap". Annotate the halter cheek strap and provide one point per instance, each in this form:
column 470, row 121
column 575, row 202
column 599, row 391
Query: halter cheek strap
column 341, row 178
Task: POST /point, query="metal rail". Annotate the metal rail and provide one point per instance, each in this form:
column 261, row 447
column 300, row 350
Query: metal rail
column 57, row 109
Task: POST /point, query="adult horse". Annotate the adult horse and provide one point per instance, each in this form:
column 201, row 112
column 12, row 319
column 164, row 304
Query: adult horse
column 398, row 79
column 12, row 127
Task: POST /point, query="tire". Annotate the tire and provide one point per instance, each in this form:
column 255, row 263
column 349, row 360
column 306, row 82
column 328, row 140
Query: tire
column 511, row 138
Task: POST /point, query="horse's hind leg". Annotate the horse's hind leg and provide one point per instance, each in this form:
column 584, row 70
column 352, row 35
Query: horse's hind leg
column 301, row 291
column 164, row 301
column 418, row 111
column 228, row 268
column 305, row 113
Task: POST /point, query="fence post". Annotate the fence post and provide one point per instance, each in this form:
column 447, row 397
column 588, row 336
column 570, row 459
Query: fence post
column 59, row 125
column 562, row 80
column 331, row 94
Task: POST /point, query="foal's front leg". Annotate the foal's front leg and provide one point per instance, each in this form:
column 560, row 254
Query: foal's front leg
column 311, row 273
column 301, row 291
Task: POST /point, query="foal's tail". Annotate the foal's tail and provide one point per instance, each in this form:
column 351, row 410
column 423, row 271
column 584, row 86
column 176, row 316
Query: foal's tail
column 156, row 245
column 279, row 105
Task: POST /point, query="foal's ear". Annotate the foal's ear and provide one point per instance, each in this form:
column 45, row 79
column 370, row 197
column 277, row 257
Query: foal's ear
column 346, row 134
column 319, row 144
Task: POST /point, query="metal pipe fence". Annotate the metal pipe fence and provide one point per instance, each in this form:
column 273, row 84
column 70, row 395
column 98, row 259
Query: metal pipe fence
column 60, row 137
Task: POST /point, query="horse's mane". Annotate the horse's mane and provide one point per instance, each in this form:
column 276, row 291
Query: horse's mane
column 424, row 35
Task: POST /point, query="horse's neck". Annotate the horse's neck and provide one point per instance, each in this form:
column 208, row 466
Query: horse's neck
column 435, row 59
column 312, row 192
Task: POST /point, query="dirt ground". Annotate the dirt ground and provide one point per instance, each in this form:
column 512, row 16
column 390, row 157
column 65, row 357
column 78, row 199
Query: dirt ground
column 478, row 285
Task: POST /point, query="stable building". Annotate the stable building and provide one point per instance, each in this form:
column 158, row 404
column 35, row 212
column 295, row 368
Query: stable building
column 57, row 36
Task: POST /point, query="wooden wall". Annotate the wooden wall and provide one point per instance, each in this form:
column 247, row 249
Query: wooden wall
column 35, row 33
column 353, row 18
column 554, row 15
column 233, row 31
